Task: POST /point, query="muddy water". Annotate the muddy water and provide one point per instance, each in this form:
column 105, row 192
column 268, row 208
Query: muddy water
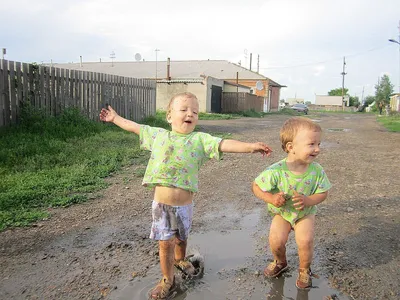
column 230, row 272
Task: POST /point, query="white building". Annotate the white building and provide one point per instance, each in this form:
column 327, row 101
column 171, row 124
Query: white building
column 325, row 100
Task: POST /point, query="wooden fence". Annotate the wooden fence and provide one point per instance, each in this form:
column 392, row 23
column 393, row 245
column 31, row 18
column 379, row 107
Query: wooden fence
column 236, row 102
column 53, row 89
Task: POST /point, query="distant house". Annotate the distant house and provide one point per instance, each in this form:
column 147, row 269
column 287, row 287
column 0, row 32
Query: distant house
column 207, row 79
column 395, row 102
column 292, row 101
column 325, row 100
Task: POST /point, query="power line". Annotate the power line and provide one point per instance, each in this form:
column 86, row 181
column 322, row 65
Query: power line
column 324, row 61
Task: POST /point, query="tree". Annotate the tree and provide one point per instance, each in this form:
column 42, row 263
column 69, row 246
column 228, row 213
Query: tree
column 383, row 89
column 354, row 101
column 369, row 99
column 338, row 92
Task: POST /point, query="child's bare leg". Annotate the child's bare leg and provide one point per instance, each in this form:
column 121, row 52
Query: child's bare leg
column 167, row 249
column 166, row 286
column 180, row 254
column 304, row 231
column 278, row 236
column 180, row 249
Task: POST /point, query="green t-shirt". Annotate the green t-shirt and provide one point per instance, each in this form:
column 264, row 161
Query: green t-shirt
column 176, row 158
column 278, row 178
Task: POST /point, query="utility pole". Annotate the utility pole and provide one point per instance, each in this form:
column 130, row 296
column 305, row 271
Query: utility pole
column 343, row 74
column 3, row 52
column 112, row 56
column 258, row 63
column 156, row 50
column 362, row 96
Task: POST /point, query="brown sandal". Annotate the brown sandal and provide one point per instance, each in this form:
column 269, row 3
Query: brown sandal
column 275, row 268
column 163, row 290
column 304, row 278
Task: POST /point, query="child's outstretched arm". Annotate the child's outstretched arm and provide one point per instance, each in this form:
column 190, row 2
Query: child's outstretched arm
column 235, row 146
column 109, row 115
column 276, row 200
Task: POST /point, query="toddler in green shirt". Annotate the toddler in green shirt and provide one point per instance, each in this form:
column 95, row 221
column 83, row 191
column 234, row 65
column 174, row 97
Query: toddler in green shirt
column 172, row 170
column 292, row 188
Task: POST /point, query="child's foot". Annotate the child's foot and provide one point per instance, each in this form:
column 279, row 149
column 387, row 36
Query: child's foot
column 275, row 268
column 163, row 290
column 304, row 278
column 185, row 267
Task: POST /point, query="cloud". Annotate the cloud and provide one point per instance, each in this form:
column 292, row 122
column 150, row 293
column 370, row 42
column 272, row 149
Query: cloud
column 318, row 70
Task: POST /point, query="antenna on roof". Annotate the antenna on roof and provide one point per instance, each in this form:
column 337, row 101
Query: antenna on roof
column 138, row 57
column 112, row 56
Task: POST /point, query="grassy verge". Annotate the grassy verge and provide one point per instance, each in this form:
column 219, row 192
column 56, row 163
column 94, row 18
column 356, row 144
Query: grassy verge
column 49, row 162
column 56, row 162
column 286, row 111
column 391, row 123
column 334, row 111
column 212, row 116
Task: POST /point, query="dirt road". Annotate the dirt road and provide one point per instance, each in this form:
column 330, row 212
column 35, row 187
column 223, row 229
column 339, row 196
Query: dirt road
column 94, row 250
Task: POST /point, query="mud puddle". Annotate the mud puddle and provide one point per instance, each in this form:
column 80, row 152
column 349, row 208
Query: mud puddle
column 229, row 271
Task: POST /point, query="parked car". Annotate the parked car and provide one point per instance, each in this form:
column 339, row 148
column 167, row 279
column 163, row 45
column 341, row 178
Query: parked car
column 300, row 107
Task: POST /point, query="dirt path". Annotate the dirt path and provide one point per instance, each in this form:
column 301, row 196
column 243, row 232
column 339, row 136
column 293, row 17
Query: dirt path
column 86, row 251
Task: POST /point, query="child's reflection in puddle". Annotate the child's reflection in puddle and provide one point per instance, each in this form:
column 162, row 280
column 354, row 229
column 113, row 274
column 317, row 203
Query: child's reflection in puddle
column 276, row 292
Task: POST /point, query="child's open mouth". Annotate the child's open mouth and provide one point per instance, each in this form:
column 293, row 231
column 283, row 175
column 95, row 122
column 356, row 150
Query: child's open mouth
column 189, row 122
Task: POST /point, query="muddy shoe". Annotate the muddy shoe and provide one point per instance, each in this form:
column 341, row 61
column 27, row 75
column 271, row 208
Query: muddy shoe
column 274, row 269
column 185, row 267
column 304, row 278
column 163, row 290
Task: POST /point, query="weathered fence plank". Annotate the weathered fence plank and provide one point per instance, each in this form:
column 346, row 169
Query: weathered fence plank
column 13, row 96
column 6, row 101
column 3, row 75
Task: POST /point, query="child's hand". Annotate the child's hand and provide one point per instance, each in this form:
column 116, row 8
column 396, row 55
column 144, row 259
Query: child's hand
column 262, row 148
column 278, row 199
column 299, row 200
column 107, row 114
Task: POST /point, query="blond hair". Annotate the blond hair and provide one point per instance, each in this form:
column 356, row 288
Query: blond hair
column 292, row 126
column 183, row 95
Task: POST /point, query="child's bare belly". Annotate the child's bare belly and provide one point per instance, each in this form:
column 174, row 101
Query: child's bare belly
column 172, row 196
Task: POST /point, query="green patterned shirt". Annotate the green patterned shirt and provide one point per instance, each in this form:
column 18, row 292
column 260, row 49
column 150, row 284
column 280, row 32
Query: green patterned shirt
column 278, row 178
column 176, row 158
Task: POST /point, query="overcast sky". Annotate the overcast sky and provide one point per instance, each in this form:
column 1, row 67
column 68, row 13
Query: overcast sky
column 301, row 43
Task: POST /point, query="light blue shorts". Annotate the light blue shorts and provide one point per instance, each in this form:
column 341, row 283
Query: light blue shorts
column 170, row 221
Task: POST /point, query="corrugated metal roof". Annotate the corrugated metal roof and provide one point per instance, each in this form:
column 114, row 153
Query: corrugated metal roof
column 220, row 69
column 234, row 84
column 181, row 81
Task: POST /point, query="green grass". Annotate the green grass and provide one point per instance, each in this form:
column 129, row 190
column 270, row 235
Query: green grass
column 213, row 116
column 332, row 111
column 50, row 162
column 56, row 162
column 391, row 123
column 286, row 111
